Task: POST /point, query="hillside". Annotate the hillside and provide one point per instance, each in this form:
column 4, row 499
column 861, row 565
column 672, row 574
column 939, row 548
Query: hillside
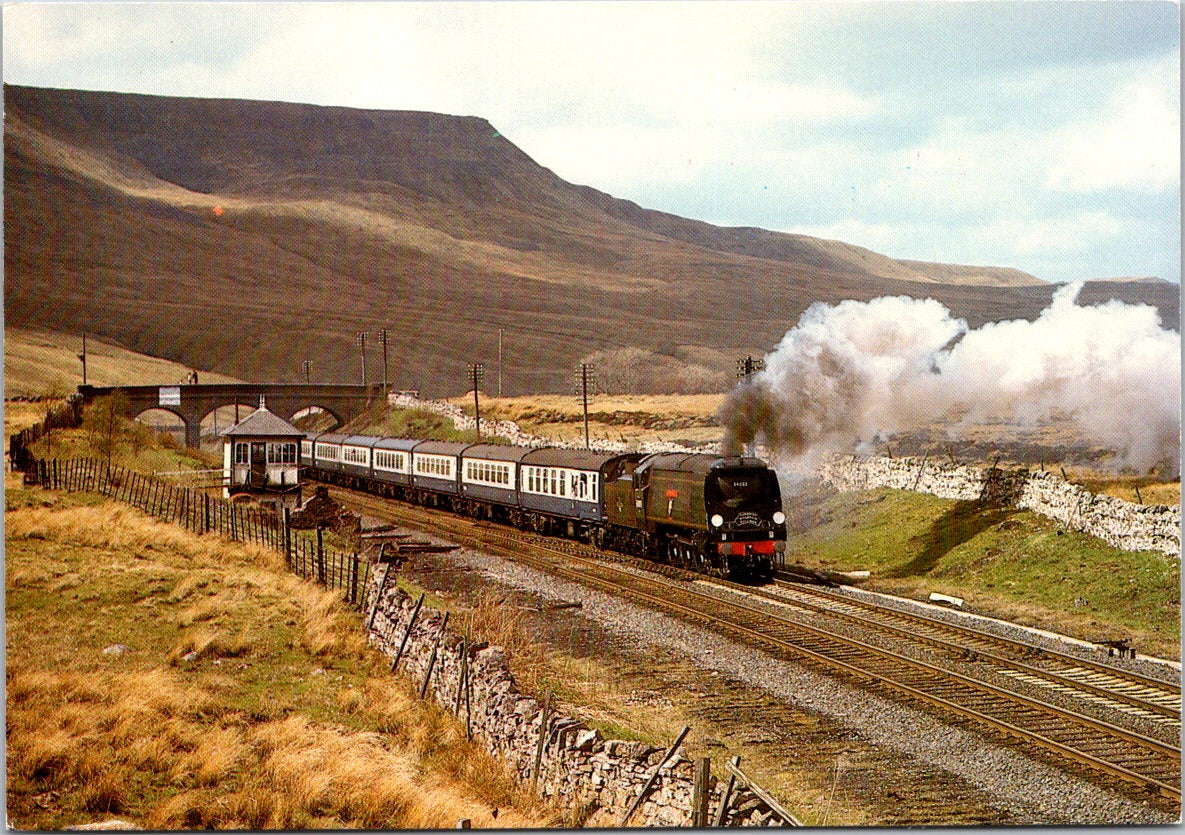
column 251, row 236
column 40, row 363
column 178, row 681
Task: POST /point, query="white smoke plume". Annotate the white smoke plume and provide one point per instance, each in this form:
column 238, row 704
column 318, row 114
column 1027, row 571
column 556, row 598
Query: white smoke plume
column 849, row 372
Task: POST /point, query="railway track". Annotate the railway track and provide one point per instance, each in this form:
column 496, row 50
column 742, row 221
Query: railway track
column 1091, row 743
column 1106, row 686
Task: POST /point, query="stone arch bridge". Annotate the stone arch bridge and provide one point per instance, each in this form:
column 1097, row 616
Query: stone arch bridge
column 191, row 403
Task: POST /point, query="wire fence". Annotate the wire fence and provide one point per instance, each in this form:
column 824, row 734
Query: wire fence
column 305, row 554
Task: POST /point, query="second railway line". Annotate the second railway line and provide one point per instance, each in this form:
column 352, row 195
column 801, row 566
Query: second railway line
column 1020, row 714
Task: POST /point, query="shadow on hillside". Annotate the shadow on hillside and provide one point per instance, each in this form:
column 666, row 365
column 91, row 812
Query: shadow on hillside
column 961, row 523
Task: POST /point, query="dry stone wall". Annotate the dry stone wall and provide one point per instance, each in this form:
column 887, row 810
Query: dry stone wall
column 1132, row 527
column 578, row 767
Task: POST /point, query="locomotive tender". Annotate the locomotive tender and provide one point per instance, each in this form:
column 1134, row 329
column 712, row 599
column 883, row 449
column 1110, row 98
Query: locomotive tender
column 713, row 514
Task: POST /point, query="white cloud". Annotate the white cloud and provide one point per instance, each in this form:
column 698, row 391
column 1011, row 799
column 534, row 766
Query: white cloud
column 1069, row 236
column 1136, row 145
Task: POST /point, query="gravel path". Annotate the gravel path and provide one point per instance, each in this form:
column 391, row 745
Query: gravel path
column 1029, row 790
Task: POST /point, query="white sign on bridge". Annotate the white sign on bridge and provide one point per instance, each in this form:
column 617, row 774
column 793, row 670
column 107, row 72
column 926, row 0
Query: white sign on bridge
column 170, row 396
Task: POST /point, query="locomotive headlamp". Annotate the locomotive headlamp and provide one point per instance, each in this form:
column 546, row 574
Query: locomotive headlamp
column 717, row 520
column 779, row 517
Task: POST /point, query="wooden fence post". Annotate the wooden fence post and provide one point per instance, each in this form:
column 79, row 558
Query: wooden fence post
column 726, row 798
column 654, row 775
column 765, row 796
column 365, row 584
column 320, row 557
column 407, row 634
column 461, row 674
column 435, row 649
column 544, row 727
column 699, row 801
column 468, row 696
column 287, row 537
column 378, row 598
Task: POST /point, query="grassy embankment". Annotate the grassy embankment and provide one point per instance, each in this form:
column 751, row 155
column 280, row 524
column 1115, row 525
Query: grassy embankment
column 1006, row 562
column 39, row 363
column 130, row 443
column 626, row 417
column 248, row 697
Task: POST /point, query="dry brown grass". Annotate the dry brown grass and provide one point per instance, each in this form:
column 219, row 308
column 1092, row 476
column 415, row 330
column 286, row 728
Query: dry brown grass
column 666, row 405
column 39, row 362
column 1136, row 489
column 490, row 618
column 281, row 717
column 20, row 415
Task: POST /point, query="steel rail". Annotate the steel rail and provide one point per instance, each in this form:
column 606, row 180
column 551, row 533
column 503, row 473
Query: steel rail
column 1129, row 676
column 696, row 612
column 882, row 622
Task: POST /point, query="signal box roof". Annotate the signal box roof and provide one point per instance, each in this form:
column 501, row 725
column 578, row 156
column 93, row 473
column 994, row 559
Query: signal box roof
column 263, row 424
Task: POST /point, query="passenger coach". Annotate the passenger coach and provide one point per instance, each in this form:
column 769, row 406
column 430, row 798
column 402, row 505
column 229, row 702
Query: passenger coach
column 710, row 513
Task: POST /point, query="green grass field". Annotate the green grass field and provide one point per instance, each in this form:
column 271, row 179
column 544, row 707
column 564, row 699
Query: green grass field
column 1002, row 561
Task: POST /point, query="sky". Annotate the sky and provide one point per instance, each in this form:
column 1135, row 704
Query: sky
column 1033, row 134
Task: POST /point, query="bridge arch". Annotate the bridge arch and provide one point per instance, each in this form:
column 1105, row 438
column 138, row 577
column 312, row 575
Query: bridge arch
column 162, row 426
column 309, row 418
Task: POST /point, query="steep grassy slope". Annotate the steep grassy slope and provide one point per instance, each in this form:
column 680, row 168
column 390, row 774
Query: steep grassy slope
column 1006, row 562
column 39, row 363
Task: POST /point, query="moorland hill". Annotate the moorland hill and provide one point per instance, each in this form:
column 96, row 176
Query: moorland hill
column 248, row 236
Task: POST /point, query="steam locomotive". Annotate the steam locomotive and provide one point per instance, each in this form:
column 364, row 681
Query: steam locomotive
column 720, row 516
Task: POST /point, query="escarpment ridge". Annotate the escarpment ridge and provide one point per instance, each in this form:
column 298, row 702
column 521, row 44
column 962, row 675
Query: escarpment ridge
column 248, row 236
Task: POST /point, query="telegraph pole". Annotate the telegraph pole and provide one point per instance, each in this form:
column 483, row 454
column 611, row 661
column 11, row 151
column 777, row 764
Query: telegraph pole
column 500, row 362
column 82, row 357
column 307, row 367
column 362, row 339
column 582, row 381
column 746, row 368
column 476, row 372
column 383, row 337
